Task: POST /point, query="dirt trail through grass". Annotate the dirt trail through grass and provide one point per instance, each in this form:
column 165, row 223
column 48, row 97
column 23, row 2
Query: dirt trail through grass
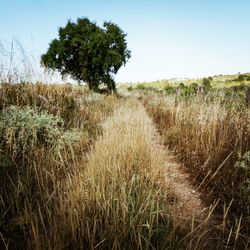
column 131, row 146
column 189, row 205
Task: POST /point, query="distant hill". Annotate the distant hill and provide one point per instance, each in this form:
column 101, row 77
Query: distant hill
column 217, row 81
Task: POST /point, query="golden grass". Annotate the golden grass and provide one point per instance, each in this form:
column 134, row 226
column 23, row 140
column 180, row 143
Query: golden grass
column 142, row 198
column 108, row 182
column 32, row 189
column 210, row 138
column 123, row 199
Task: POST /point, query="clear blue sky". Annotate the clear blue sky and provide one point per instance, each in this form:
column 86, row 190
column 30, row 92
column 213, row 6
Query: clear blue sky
column 168, row 38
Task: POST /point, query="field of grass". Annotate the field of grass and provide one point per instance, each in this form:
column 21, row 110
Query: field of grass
column 217, row 81
column 136, row 170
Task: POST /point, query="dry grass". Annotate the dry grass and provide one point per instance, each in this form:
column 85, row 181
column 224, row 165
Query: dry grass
column 135, row 196
column 116, row 199
column 38, row 153
column 86, row 171
column 212, row 140
column 123, row 200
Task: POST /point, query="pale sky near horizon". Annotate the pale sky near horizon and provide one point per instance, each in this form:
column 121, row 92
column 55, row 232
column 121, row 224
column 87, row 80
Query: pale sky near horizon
column 171, row 38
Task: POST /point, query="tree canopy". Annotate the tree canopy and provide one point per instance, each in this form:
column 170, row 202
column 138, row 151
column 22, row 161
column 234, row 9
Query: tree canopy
column 88, row 53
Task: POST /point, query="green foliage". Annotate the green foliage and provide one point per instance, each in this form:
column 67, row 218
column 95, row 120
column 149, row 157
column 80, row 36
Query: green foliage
column 88, row 53
column 206, row 83
column 194, row 87
column 22, row 130
column 181, row 85
column 32, row 149
column 185, row 91
column 241, row 78
column 140, row 87
column 130, row 88
column 170, row 90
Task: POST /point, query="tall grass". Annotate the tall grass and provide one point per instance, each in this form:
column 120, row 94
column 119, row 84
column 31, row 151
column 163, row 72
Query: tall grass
column 86, row 171
column 114, row 198
column 123, row 201
column 94, row 177
column 210, row 135
column 40, row 148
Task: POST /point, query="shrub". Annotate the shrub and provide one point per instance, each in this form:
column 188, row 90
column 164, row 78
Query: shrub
column 24, row 129
column 206, row 83
column 241, row 78
column 181, row 85
column 35, row 155
column 169, row 90
column 184, row 91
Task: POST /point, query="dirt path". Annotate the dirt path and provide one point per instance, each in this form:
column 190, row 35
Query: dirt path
column 131, row 143
column 188, row 209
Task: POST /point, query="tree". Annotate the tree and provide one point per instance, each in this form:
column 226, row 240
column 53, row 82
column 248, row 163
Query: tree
column 241, row 78
column 206, row 83
column 88, row 53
